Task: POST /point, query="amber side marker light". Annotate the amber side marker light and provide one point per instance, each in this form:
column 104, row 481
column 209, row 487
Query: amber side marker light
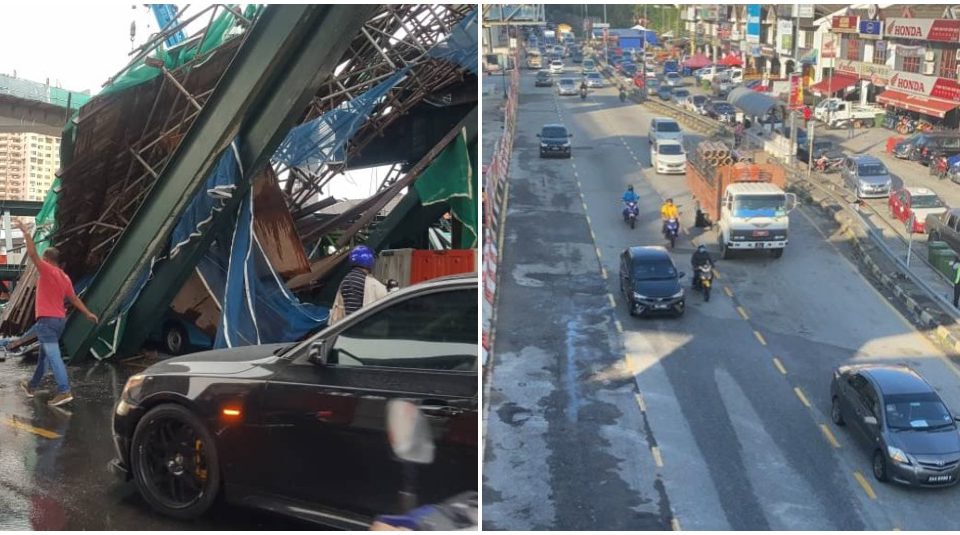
column 231, row 412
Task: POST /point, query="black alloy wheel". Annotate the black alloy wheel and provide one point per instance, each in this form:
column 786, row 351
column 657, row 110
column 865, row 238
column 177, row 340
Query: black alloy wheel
column 880, row 466
column 835, row 415
column 174, row 462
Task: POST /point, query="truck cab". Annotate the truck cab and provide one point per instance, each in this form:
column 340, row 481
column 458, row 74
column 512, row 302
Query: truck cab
column 754, row 215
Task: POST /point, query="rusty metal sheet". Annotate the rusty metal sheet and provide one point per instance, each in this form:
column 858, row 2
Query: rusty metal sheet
column 195, row 303
column 275, row 228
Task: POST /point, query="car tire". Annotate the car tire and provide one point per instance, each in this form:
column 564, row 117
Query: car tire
column 144, row 444
column 175, row 340
column 835, row 415
column 880, row 466
column 777, row 253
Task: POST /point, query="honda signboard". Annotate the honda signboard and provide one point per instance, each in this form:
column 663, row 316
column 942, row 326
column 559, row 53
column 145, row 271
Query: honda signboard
column 943, row 30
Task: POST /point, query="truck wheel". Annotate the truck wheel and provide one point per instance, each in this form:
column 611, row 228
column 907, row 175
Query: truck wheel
column 777, row 253
column 174, row 339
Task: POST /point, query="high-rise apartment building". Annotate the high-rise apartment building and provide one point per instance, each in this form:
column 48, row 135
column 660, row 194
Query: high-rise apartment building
column 28, row 162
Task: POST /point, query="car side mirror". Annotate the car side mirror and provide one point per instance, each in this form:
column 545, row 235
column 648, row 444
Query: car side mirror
column 318, row 352
column 791, row 201
column 870, row 420
column 409, row 432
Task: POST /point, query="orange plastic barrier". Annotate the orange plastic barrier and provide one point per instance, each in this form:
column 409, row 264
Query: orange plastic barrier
column 426, row 265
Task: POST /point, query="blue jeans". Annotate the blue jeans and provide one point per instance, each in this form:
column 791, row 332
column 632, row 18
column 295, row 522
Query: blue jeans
column 48, row 333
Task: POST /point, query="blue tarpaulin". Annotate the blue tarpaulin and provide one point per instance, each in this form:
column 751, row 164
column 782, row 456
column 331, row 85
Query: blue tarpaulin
column 460, row 47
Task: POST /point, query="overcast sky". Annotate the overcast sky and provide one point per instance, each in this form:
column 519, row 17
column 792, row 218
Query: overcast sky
column 77, row 45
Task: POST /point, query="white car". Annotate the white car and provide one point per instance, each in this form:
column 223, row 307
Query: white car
column 567, row 86
column 556, row 67
column 594, row 79
column 673, row 79
column 663, row 128
column 668, row 157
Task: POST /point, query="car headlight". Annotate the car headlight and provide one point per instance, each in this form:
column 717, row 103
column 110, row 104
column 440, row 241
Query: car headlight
column 896, row 454
column 678, row 294
column 131, row 390
column 639, row 296
column 566, row 144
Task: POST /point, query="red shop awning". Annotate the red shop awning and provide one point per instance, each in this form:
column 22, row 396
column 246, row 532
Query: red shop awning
column 926, row 105
column 832, row 84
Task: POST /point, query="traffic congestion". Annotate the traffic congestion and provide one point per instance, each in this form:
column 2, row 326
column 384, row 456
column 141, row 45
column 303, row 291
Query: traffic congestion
column 685, row 331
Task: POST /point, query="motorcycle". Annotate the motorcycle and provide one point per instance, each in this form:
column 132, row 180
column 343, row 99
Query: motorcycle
column 824, row 165
column 671, row 230
column 583, row 93
column 703, row 279
column 623, row 96
column 630, row 213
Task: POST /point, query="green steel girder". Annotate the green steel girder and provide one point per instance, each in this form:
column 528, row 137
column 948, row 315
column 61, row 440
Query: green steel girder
column 20, row 208
column 289, row 51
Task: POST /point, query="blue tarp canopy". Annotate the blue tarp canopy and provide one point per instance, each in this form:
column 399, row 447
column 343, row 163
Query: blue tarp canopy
column 753, row 103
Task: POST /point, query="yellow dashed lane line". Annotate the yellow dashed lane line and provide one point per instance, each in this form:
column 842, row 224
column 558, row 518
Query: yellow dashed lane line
column 675, row 525
column 743, row 313
column 619, row 326
column 760, row 338
column 612, row 302
column 656, row 456
column 829, row 436
column 640, row 403
column 17, row 424
column 603, row 271
column 728, row 291
column 803, row 398
column 865, row 485
column 779, row 365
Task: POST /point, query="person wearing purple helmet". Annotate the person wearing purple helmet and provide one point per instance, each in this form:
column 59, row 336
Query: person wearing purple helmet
column 359, row 286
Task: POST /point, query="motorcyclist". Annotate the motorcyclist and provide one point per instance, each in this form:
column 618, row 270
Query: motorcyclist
column 623, row 92
column 821, row 162
column 668, row 211
column 630, row 195
column 700, row 257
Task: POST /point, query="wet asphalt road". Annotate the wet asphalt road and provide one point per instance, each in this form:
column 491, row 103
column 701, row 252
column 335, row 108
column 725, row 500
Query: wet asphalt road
column 53, row 461
column 718, row 420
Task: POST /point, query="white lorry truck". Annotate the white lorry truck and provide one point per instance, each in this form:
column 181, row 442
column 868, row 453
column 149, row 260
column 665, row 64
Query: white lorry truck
column 837, row 113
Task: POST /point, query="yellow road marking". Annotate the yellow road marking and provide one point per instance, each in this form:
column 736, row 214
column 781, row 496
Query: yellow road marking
column 865, row 484
column 583, row 203
column 612, row 302
column 779, row 365
column 656, row 456
column 603, row 271
column 829, row 435
column 642, row 404
column 728, row 291
column 17, row 424
column 619, row 326
column 760, row 338
column 716, row 274
column 803, row 398
column 675, row 524
column 593, row 237
column 598, row 252
column 589, row 222
column 743, row 313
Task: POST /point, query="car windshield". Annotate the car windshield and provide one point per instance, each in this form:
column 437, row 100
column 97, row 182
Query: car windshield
column 594, row 76
column 567, row 81
column 916, row 411
column 554, row 131
column 668, row 127
column 557, row 64
column 926, row 201
column 671, row 149
column 699, row 99
column 681, row 93
column 655, row 270
column 871, row 169
column 760, row 206
column 588, row 63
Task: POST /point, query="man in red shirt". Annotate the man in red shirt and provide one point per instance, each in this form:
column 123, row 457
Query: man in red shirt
column 53, row 286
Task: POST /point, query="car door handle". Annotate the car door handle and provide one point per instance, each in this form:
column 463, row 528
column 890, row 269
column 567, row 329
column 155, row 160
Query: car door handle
column 441, row 409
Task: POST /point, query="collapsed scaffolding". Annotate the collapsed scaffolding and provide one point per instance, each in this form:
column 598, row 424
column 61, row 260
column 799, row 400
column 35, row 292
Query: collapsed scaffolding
column 400, row 57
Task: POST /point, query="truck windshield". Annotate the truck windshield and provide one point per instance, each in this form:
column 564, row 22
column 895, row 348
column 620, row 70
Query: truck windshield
column 760, row 206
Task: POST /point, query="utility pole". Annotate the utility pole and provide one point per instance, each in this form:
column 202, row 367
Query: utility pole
column 793, row 112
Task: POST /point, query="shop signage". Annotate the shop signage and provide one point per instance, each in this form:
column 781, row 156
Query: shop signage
column 844, row 24
column 753, row 23
column 944, row 30
column 796, row 91
column 767, row 51
column 805, row 11
column 785, row 36
column 871, row 29
column 877, row 74
column 828, row 48
column 929, row 86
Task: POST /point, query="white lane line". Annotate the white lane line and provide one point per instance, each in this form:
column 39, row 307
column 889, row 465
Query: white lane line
column 612, row 302
column 657, row 458
column 803, row 398
column 618, row 325
column 779, row 365
column 640, row 403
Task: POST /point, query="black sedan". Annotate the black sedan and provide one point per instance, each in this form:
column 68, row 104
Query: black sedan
column 721, row 110
column 543, row 79
column 821, row 148
column 899, row 418
column 300, row 430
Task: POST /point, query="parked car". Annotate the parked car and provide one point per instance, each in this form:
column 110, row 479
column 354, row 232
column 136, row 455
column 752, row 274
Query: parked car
column 543, row 79
column 707, row 73
column 650, row 282
column 628, row 69
column 664, row 92
column 904, row 147
column 673, row 79
column 867, row 176
column 300, row 429
column 722, row 85
column 721, row 110
column 918, row 203
column 680, row 97
column 554, row 141
column 588, row 66
column 663, row 128
column 945, row 227
column 835, row 156
column 931, row 144
column 653, row 84
column 594, row 79
column 668, row 157
column 900, row 419
column 556, row 67
column 567, row 86
column 698, row 104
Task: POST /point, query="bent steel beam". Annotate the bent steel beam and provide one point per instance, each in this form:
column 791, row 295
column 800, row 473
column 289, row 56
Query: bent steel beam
column 285, row 57
column 263, row 129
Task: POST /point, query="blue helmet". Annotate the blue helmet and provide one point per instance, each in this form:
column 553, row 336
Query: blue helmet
column 362, row 256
